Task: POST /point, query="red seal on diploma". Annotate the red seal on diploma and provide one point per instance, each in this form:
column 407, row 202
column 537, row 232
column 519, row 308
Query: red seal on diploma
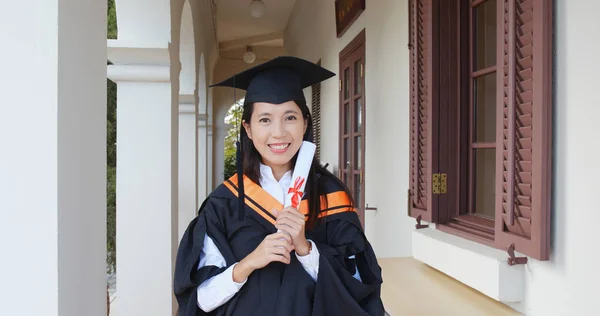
column 296, row 193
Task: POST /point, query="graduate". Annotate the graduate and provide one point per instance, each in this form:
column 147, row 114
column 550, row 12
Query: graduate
column 247, row 254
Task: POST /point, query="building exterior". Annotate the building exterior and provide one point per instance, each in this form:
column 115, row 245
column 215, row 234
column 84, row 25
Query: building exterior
column 452, row 112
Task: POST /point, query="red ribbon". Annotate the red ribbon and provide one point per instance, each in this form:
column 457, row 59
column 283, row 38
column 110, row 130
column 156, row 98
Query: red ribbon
column 297, row 194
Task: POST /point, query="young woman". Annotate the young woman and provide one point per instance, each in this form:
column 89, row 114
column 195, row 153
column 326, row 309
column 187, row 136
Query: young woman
column 244, row 254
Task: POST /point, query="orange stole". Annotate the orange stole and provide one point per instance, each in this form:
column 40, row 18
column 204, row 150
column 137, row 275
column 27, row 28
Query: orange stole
column 332, row 203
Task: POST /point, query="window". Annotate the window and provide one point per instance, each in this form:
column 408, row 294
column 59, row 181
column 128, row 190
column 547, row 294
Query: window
column 352, row 118
column 316, row 116
column 481, row 130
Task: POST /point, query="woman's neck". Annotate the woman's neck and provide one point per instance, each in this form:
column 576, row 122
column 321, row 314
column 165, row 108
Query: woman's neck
column 280, row 170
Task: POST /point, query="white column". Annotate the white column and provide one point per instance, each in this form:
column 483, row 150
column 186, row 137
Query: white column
column 147, row 178
column 188, row 161
column 209, row 154
column 53, row 161
column 202, row 158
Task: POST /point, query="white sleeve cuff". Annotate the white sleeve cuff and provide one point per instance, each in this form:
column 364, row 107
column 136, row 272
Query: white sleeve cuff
column 217, row 290
column 310, row 262
column 229, row 272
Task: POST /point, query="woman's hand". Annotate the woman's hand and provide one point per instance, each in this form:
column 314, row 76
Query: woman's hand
column 275, row 247
column 292, row 222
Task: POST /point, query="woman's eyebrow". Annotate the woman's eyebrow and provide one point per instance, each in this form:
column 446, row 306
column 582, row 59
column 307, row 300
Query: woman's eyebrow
column 291, row 111
column 265, row 114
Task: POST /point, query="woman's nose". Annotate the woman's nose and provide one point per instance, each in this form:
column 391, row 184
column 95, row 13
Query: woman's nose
column 278, row 129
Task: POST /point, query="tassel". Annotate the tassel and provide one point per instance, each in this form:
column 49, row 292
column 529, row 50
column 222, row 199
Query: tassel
column 240, row 174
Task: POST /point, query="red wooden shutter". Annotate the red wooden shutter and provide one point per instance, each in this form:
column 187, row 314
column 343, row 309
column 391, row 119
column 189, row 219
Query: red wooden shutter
column 423, row 151
column 524, row 126
column 316, row 117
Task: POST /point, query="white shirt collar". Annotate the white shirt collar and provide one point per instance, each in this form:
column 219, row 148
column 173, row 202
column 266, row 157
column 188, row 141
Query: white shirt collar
column 275, row 188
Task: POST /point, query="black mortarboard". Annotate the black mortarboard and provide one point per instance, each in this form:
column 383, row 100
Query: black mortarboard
column 277, row 81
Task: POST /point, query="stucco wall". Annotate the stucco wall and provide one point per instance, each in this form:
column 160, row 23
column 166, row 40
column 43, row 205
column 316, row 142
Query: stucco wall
column 566, row 284
column 311, row 34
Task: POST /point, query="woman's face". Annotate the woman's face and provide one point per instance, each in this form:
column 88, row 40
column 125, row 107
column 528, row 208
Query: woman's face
column 277, row 131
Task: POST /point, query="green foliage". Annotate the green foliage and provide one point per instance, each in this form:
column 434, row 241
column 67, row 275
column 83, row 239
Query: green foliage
column 230, row 165
column 111, row 20
column 111, row 124
column 111, row 245
column 111, row 153
column 233, row 117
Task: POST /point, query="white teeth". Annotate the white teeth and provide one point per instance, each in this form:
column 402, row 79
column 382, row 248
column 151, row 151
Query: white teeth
column 279, row 147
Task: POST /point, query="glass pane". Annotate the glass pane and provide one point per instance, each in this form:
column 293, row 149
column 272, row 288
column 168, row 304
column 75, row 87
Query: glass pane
column 346, row 80
column 346, row 178
column 357, row 81
column 485, row 181
column 346, row 118
column 357, row 192
column 484, row 34
column 484, row 108
column 357, row 153
column 357, row 115
column 347, row 157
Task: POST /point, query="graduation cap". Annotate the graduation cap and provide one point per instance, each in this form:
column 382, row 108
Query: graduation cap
column 277, row 81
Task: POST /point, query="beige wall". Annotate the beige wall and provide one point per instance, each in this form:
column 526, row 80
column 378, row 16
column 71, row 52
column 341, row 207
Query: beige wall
column 567, row 283
column 311, row 35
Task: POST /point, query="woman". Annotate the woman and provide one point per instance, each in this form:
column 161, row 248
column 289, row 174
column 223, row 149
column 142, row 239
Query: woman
column 244, row 254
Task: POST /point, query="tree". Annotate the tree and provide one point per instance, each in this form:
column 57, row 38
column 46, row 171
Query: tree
column 233, row 117
column 111, row 153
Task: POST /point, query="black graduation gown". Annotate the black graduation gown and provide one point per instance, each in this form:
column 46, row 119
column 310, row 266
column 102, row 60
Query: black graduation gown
column 280, row 289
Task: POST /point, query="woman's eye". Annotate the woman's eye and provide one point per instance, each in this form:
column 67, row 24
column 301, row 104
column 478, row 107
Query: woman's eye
column 264, row 120
column 292, row 117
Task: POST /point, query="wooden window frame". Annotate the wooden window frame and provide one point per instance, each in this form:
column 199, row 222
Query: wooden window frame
column 456, row 105
column 354, row 50
column 523, row 122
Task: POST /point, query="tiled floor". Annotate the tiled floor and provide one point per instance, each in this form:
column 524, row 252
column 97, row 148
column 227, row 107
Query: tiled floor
column 413, row 288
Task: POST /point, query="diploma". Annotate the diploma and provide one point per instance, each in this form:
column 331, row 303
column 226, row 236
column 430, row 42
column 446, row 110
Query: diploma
column 299, row 176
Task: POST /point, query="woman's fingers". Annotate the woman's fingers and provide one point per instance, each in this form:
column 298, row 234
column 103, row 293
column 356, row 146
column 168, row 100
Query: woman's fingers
column 292, row 213
column 289, row 222
column 293, row 232
column 280, row 258
column 282, row 253
column 283, row 243
column 282, row 234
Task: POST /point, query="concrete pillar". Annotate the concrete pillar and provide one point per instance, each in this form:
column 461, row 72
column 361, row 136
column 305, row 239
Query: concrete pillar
column 209, row 154
column 188, row 162
column 53, row 161
column 147, row 178
column 202, row 158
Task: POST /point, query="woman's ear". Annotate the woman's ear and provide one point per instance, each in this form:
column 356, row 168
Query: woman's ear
column 247, row 128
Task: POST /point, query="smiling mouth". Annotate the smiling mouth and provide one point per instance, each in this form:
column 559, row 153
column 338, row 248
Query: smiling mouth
column 279, row 147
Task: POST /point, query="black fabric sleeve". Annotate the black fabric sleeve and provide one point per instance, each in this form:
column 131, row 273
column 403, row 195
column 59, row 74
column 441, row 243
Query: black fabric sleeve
column 187, row 275
column 337, row 291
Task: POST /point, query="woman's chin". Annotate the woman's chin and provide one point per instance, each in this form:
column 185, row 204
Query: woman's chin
column 277, row 160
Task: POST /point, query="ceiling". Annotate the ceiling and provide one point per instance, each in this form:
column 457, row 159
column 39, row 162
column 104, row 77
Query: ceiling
column 236, row 28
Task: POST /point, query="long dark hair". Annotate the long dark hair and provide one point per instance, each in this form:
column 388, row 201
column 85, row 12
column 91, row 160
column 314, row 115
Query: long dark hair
column 317, row 175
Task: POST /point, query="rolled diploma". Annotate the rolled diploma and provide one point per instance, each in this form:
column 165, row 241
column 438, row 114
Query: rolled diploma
column 300, row 175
